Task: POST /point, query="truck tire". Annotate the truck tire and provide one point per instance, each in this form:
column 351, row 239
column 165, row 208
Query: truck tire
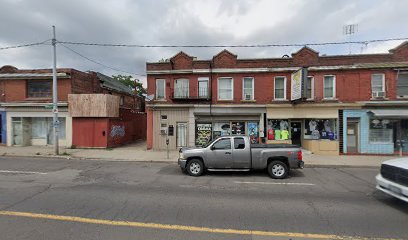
column 195, row 167
column 277, row 170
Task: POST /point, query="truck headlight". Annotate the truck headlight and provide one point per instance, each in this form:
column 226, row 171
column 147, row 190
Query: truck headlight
column 181, row 155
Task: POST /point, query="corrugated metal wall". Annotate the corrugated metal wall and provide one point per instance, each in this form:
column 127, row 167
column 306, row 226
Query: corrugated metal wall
column 174, row 116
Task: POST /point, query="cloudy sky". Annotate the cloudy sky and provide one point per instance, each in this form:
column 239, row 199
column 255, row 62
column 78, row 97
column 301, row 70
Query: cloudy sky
column 193, row 22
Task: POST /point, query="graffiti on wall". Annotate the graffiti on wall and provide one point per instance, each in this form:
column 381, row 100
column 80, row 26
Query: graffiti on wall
column 117, row 131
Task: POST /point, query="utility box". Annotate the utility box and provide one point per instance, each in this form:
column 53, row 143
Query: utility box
column 93, row 105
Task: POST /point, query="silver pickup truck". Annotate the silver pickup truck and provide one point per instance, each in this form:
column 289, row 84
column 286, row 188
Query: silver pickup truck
column 235, row 153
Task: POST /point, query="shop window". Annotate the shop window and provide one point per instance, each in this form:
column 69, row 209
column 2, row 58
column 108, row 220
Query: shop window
column 278, row 129
column 310, row 88
column 225, row 89
column 203, row 134
column 402, row 85
column 239, row 143
column 238, row 128
column 248, row 88
column 253, row 132
column 42, row 127
column 221, row 129
column 329, row 91
column 160, row 89
column 222, row 144
column 39, row 89
column 381, row 131
column 320, row 129
column 280, row 88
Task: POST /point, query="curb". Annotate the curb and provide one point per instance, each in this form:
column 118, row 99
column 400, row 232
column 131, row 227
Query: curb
column 312, row 165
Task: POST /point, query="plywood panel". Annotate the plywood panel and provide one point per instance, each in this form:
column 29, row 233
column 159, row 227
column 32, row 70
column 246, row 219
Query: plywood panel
column 93, row 105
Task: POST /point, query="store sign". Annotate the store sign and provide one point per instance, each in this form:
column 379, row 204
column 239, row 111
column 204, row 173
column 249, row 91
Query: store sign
column 298, row 84
column 203, row 134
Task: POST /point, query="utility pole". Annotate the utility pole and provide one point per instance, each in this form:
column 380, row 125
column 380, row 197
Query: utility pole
column 55, row 121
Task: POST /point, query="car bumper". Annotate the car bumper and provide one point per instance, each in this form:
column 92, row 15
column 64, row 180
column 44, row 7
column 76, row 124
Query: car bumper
column 301, row 164
column 182, row 163
column 392, row 188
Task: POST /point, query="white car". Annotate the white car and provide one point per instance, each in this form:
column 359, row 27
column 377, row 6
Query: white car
column 393, row 178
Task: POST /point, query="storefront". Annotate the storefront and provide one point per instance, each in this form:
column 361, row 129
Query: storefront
column 375, row 131
column 223, row 121
column 312, row 127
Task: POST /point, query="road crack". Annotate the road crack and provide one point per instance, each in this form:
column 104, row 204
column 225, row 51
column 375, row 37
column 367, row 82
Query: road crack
column 27, row 198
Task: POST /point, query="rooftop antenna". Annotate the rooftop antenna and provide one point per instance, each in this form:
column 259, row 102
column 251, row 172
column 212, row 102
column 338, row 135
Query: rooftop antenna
column 348, row 31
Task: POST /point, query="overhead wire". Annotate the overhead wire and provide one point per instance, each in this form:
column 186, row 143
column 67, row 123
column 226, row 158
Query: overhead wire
column 99, row 63
column 365, row 42
column 25, row 45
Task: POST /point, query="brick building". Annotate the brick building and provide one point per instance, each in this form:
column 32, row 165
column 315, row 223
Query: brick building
column 26, row 99
column 348, row 102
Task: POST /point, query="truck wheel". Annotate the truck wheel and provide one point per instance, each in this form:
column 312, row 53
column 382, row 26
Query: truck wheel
column 195, row 167
column 277, row 170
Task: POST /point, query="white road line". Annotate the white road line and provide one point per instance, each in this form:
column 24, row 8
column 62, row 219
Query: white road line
column 276, row 183
column 21, row 172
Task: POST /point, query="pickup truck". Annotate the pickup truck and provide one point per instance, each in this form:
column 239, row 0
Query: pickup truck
column 236, row 153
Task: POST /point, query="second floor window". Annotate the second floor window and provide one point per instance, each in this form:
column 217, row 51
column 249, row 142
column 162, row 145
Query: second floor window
column 160, row 88
column 203, row 87
column 248, row 88
column 280, row 88
column 310, row 88
column 225, row 89
column 377, row 85
column 402, row 85
column 181, row 88
column 39, row 89
column 329, row 85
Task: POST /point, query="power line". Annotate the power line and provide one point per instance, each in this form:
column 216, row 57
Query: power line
column 25, row 45
column 233, row 46
column 101, row 64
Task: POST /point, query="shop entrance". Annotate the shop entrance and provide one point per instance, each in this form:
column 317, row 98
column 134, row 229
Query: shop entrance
column 295, row 128
column 181, row 134
column 352, row 136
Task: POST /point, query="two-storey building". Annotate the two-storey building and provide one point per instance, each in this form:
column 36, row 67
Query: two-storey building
column 26, row 102
column 344, row 100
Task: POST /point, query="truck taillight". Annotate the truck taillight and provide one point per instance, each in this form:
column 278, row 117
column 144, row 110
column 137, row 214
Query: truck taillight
column 299, row 155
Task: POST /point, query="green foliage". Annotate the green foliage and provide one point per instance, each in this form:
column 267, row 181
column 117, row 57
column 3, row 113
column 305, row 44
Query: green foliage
column 135, row 84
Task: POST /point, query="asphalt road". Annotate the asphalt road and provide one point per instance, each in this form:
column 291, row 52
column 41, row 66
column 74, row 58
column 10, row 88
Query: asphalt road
column 89, row 199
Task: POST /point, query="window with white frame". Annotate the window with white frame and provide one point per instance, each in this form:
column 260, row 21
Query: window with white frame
column 225, row 89
column 248, row 88
column 310, row 88
column 203, row 87
column 329, row 85
column 160, row 88
column 280, row 88
column 378, row 85
column 402, row 84
column 181, row 88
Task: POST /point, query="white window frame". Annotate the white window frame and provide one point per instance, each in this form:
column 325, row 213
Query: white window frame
column 232, row 88
column 383, row 81
column 284, row 88
column 164, row 88
column 203, row 79
column 312, row 94
column 182, row 95
column 252, row 87
column 334, row 86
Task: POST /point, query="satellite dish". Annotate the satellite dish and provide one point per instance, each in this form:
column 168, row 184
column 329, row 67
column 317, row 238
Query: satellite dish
column 148, row 97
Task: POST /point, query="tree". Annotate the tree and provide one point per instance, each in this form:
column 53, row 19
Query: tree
column 135, row 84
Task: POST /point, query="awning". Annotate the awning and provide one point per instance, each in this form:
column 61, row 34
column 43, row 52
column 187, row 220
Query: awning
column 390, row 113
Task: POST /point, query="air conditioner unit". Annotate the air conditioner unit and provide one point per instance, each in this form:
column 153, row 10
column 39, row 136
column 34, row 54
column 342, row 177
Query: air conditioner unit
column 380, row 94
column 248, row 96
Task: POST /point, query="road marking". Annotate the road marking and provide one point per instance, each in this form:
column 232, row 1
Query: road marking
column 278, row 183
column 21, row 172
column 176, row 227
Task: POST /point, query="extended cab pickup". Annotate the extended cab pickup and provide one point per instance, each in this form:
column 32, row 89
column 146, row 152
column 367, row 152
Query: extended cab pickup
column 237, row 154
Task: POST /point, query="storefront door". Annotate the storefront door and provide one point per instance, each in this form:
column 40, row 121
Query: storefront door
column 181, row 134
column 352, row 137
column 17, row 132
column 295, row 129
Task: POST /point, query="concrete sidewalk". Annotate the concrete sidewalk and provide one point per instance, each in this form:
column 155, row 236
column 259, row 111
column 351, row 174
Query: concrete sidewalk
column 137, row 152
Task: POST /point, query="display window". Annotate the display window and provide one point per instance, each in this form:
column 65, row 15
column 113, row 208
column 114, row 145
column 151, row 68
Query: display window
column 320, row 129
column 381, row 130
column 278, row 129
column 203, row 134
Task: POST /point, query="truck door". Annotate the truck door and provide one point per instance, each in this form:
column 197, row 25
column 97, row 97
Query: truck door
column 220, row 155
column 241, row 154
